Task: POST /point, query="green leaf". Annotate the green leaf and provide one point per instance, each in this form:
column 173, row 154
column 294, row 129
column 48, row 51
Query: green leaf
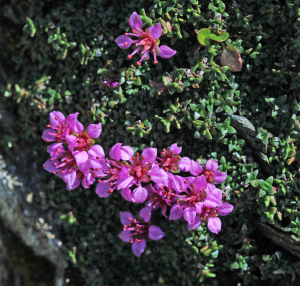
column 203, row 37
column 219, row 38
column 261, row 193
column 254, row 183
column 235, row 265
column 137, row 81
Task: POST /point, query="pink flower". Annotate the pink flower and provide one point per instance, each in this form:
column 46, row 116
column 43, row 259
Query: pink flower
column 210, row 172
column 136, row 232
column 68, row 166
column 84, row 140
column 71, row 131
column 111, row 168
column 148, row 40
column 141, row 169
column 170, row 158
column 158, row 198
column 60, row 127
column 200, row 204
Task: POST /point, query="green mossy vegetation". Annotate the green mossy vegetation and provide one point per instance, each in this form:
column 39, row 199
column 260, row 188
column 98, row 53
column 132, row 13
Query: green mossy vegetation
column 66, row 51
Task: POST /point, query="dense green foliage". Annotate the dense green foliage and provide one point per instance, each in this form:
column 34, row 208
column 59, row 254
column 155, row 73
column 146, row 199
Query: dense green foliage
column 66, row 51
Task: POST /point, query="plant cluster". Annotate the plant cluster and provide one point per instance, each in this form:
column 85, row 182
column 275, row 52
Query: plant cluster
column 230, row 94
column 195, row 197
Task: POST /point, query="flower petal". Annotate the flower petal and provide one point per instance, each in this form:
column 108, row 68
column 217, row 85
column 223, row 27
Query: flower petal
column 189, row 214
column 74, row 123
column 155, row 31
column 150, row 155
column 124, row 173
column 219, row 177
column 102, row 190
column 199, row 207
column 50, row 166
column 124, row 217
column 190, row 180
column 115, row 152
column 118, row 152
column 121, row 40
column 155, row 233
column 74, row 186
column 184, row 164
column 177, row 150
column 217, row 193
column 210, row 187
column 81, row 157
column 196, row 223
column 195, row 168
column 126, row 152
column 96, row 151
column 139, row 194
column 47, row 135
column 214, row 224
column 211, row 165
column 213, row 199
column 139, row 247
column 114, row 83
column 72, row 142
column 85, row 168
column 69, row 178
column 224, row 209
column 176, row 212
column 145, row 56
column 145, row 213
column 99, row 163
column 135, row 21
column 126, row 194
column 88, row 180
column 56, row 118
column 125, row 235
column 178, row 183
column 125, row 182
column 94, row 130
column 157, row 175
column 165, row 52
column 200, row 183
column 55, row 150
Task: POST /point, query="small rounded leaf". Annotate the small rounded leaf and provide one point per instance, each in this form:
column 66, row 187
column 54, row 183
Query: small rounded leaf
column 203, row 37
column 231, row 57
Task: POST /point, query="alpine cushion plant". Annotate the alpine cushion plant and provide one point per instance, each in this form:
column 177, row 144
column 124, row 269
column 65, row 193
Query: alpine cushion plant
column 147, row 42
column 194, row 197
column 182, row 99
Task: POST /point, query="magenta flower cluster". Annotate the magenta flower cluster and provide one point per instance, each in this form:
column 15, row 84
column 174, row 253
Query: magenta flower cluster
column 73, row 163
column 148, row 176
